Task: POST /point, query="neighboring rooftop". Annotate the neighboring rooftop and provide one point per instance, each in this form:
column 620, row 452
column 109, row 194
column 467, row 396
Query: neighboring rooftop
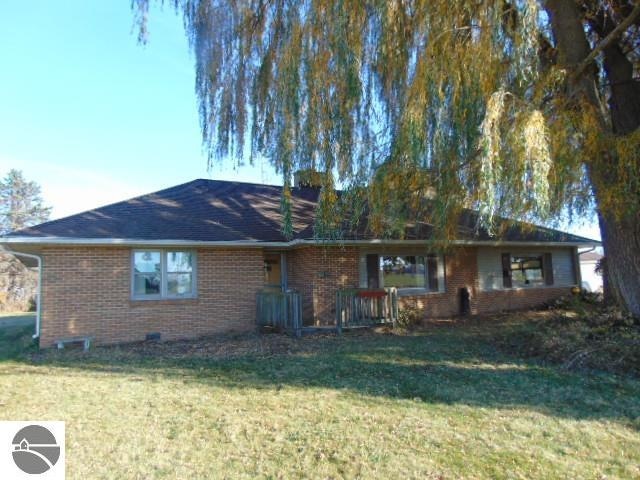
column 221, row 211
column 590, row 256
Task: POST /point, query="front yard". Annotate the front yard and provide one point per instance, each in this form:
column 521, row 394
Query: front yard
column 441, row 402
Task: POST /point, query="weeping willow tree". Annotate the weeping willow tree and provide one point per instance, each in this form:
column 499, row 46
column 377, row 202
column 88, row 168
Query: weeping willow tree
column 518, row 109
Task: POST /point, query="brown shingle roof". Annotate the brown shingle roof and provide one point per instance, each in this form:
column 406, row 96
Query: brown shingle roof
column 590, row 257
column 212, row 210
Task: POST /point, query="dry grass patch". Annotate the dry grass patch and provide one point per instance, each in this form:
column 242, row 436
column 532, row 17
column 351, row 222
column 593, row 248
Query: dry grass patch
column 577, row 334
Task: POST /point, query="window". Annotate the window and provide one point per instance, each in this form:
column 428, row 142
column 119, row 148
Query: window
column 179, row 273
column 163, row 274
column 527, row 270
column 405, row 272
column 146, row 273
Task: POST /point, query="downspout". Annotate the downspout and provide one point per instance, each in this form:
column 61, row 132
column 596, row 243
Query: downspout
column 577, row 264
column 38, row 258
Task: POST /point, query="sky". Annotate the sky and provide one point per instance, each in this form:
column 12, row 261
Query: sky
column 93, row 116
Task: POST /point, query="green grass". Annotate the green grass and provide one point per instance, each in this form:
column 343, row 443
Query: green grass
column 4, row 315
column 15, row 341
column 438, row 403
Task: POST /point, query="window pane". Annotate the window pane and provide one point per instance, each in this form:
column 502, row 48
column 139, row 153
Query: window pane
column 179, row 262
column 146, row 284
column 533, row 275
column 518, row 278
column 179, row 284
column 532, row 263
column 526, row 270
column 146, row 262
column 403, row 271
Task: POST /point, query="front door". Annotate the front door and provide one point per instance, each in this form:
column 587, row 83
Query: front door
column 273, row 271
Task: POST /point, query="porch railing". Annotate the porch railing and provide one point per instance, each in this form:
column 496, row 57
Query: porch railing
column 365, row 307
column 280, row 310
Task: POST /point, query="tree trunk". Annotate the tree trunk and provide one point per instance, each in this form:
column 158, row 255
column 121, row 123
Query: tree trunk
column 621, row 240
column 621, row 237
column 620, row 232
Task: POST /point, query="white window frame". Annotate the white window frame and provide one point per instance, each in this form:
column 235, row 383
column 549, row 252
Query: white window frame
column 407, row 291
column 164, row 295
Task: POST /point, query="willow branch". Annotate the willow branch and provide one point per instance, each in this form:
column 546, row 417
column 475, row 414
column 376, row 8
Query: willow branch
column 608, row 40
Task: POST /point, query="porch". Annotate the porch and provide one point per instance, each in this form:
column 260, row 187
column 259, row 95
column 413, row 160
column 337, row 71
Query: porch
column 354, row 308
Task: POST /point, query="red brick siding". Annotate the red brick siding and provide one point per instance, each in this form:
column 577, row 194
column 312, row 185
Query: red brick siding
column 317, row 273
column 461, row 271
column 86, row 291
column 494, row 301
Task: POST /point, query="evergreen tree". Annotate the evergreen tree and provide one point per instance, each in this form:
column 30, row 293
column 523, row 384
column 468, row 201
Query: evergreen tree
column 21, row 203
column 21, row 206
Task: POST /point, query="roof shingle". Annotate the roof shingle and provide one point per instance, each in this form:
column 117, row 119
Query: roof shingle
column 213, row 210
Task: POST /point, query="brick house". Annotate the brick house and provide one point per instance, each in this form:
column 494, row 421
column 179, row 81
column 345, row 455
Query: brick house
column 189, row 261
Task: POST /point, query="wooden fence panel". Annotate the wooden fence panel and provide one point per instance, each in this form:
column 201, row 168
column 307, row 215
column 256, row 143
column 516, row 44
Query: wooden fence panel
column 365, row 307
column 280, row 310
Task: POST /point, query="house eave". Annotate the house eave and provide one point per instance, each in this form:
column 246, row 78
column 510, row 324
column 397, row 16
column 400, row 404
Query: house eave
column 59, row 241
column 132, row 242
column 477, row 243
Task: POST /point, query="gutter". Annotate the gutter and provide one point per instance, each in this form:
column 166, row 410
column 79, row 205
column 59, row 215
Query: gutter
column 38, row 258
column 587, row 251
column 258, row 244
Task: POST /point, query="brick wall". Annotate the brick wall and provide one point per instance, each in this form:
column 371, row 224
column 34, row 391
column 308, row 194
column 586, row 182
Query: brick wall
column 461, row 271
column 515, row 299
column 317, row 273
column 86, row 291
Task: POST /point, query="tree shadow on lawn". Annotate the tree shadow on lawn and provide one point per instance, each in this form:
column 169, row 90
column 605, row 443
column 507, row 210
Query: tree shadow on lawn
column 15, row 340
column 439, row 366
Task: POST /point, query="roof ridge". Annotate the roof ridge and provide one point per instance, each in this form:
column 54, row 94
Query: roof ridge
column 237, row 182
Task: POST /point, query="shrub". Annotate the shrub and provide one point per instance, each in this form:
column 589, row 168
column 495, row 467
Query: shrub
column 577, row 333
column 409, row 316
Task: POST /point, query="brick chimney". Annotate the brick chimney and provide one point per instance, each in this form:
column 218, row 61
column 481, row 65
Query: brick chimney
column 307, row 177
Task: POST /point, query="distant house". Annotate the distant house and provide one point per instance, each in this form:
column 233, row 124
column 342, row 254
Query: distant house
column 190, row 260
column 591, row 281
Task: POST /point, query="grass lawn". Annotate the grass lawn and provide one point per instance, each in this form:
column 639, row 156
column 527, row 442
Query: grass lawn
column 10, row 319
column 438, row 403
column 4, row 315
